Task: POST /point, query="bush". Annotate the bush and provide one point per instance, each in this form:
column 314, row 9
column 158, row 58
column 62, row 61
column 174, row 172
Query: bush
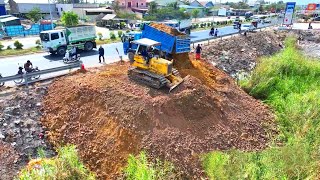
column 38, row 43
column 120, row 34
column 9, row 47
column 139, row 168
column 127, row 31
column 112, row 36
column 1, row 46
column 18, row 45
column 208, row 24
column 100, row 35
column 289, row 83
column 66, row 165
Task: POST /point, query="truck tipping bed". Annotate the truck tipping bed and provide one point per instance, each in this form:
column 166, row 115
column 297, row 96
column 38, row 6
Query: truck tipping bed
column 169, row 43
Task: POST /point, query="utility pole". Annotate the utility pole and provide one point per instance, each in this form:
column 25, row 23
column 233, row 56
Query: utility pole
column 50, row 14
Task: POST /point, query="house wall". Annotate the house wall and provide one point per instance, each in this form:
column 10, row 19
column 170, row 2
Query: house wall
column 125, row 3
column 64, row 8
column 44, row 8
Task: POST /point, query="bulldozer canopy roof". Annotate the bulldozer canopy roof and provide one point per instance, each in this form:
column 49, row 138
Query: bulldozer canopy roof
column 146, row 42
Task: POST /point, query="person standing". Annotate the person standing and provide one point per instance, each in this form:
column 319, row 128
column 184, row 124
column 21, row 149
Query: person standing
column 101, row 54
column 216, row 33
column 198, row 52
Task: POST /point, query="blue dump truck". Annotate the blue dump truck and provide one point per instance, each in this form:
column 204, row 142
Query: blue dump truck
column 169, row 44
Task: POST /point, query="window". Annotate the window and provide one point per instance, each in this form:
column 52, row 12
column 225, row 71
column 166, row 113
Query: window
column 141, row 4
column 61, row 34
column 61, row 9
column 54, row 36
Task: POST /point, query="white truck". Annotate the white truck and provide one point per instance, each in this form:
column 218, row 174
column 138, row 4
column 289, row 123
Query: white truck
column 59, row 40
column 181, row 25
column 222, row 12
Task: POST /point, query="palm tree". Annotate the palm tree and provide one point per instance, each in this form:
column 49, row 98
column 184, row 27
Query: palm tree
column 153, row 7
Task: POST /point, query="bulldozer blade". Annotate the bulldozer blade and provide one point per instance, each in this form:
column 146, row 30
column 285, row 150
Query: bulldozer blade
column 177, row 84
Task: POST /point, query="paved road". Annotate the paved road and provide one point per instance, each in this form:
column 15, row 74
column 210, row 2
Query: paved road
column 9, row 66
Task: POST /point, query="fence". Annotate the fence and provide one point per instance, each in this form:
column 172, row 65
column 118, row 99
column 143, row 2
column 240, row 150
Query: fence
column 20, row 30
column 27, row 77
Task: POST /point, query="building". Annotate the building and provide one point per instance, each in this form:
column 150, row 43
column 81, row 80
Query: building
column 196, row 3
column 21, row 9
column 132, row 3
column 207, row 4
column 85, row 11
column 189, row 9
column 3, row 10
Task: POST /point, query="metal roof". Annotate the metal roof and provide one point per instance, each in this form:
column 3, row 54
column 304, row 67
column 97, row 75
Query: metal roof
column 102, row 10
column 8, row 19
column 109, row 16
column 147, row 42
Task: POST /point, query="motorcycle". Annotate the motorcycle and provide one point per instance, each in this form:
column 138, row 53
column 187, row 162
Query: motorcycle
column 22, row 72
column 2, row 83
column 67, row 59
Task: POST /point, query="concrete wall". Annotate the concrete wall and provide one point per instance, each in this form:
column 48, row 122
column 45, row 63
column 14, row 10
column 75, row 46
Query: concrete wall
column 64, row 8
column 27, row 7
column 141, row 3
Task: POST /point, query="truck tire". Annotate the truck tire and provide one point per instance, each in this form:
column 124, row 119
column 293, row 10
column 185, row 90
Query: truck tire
column 88, row 46
column 131, row 56
column 61, row 51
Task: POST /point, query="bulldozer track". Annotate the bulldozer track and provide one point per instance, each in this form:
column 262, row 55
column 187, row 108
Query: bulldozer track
column 147, row 78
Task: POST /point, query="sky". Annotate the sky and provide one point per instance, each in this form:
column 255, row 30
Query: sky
column 299, row 2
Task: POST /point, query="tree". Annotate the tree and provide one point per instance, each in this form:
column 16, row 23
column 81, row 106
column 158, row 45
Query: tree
column 115, row 6
column 152, row 7
column 35, row 14
column 70, row 18
column 261, row 9
column 195, row 13
column 174, row 5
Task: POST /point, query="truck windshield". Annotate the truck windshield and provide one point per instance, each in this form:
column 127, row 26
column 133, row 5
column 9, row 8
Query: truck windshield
column 44, row 37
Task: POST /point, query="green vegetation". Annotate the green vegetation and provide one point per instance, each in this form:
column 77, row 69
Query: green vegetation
column 139, row 168
column 66, row 165
column 107, row 41
column 35, row 14
column 1, row 46
column 112, row 36
column 38, row 43
column 70, row 18
column 195, row 13
column 289, row 83
column 171, row 11
column 17, row 52
column 18, row 45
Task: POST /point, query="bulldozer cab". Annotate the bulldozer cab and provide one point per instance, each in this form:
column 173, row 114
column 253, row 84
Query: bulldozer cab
column 146, row 49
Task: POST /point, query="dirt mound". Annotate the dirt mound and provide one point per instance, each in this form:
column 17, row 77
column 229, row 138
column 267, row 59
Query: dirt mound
column 167, row 29
column 108, row 116
column 240, row 54
column 8, row 159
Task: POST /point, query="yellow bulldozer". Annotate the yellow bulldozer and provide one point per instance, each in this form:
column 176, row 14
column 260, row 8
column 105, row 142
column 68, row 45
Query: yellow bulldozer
column 148, row 67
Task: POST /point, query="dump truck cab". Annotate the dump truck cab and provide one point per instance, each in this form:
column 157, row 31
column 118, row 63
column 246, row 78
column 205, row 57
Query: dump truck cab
column 53, row 39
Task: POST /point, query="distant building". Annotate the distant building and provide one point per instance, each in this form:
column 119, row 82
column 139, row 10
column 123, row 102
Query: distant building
column 207, row 4
column 189, row 9
column 196, row 3
column 3, row 10
column 132, row 3
column 21, row 9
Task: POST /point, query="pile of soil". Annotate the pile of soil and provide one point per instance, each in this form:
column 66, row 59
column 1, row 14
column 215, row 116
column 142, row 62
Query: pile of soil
column 109, row 117
column 167, row 29
column 8, row 160
column 240, row 54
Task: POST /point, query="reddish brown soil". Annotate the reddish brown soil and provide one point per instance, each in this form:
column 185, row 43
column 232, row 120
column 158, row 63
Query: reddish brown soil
column 108, row 117
column 167, row 29
column 8, row 159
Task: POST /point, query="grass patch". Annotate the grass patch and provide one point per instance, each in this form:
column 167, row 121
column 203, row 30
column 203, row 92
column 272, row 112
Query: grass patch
column 290, row 83
column 66, row 165
column 139, row 168
column 107, row 41
column 12, row 52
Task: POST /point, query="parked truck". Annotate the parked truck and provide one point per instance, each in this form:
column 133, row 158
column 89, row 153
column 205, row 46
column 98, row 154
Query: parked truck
column 181, row 25
column 169, row 44
column 59, row 40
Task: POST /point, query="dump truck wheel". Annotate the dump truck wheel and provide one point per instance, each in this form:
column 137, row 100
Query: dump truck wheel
column 131, row 56
column 88, row 46
column 61, row 51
